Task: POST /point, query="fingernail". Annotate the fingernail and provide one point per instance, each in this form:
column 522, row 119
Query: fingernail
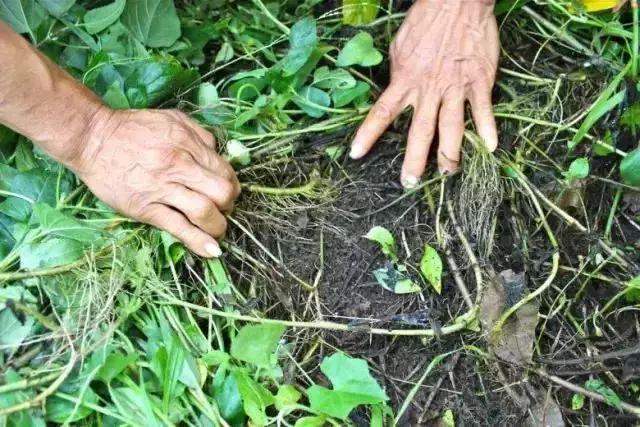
column 356, row 151
column 213, row 249
column 410, row 182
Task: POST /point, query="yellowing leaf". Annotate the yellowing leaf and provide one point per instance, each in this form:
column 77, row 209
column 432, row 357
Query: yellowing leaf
column 597, row 5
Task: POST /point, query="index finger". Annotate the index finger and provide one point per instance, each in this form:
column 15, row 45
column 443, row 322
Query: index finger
column 386, row 109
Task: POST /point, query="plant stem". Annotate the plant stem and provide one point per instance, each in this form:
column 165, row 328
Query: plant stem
column 612, row 213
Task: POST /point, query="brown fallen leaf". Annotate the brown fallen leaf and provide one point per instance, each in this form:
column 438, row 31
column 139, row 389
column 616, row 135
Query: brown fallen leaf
column 515, row 341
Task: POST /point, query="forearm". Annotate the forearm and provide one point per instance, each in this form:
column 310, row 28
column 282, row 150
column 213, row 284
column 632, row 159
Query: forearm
column 41, row 101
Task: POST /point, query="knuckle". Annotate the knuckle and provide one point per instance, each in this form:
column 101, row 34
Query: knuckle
column 382, row 111
column 178, row 158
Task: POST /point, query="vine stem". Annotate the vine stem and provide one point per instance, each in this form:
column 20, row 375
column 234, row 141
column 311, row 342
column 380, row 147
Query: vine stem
column 458, row 325
column 555, row 261
column 277, row 191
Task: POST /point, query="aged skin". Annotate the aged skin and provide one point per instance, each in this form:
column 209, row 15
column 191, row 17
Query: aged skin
column 158, row 167
column 446, row 52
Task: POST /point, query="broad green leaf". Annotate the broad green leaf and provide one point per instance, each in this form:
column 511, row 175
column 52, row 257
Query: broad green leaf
column 431, row 268
column 13, row 331
column 313, row 101
column 317, row 421
column 62, row 411
column 632, row 291
column 578, row 169
column 339, row 78
column 155, row 79
column 386, row 241
column 216, row 358
column 24, row 16
column 631, row 117
column 395, row 281
column 447, row 419
column 35, row 185
column 303, row 39
column 153, row 22
column 208, row 95
column 54, row 223
column 57, row 7
column 50, row 253
column 135, row 404
column 577, row 401
column 359, row 51
column 114, row 365
column 601, row 388
column 256, row 398
column 359, row 12
column 238, row 153
column 116, row 98
column 256, row 344
column 229, row 400
column 100, row 18
column 225, row 54
column 352, row 384
column 630, row 168
column 287, row 395
column 358, row 93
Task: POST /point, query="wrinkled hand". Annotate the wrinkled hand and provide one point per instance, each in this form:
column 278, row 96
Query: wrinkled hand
column 161, row 168
column 445, row 52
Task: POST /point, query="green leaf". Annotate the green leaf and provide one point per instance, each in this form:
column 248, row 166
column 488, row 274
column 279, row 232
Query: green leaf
column 153, row 22
column 229, row 400
column 578, row 169
column 37, row 185
column 317, row 421
column 447, row 419
column 13, row 331
column 631, row 117
column 303, row 39
column 134, row 403
column 431, row 268
column 577, row 401
column 238, row 153
column 63, row 411
column 630, row 168
column 325, row 78
column 342, row 97
column 313, row 101
column 359, row 51
column 155, row 79
column 55, row 223
column 208, row 96
column 114, row 365
column 24, row 16
column 287, row 395
column 167, row 363
column 256, row 344
column 50, row 253
column 352, row 384
column 607, row 101
column 100, row 18
column 216, row 358
column 255, row 397
column 116, row 98
column 393, row 280
column 632, row 291
column 601, row 388
column 386, row 241
column 225, row 54
column 57, row 7
column 359, row 12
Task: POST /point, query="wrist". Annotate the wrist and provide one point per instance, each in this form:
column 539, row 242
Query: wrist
column 80, row 147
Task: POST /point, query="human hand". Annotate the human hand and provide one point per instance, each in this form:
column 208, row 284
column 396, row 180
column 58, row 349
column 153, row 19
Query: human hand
column 161, row 168
column 445, row 52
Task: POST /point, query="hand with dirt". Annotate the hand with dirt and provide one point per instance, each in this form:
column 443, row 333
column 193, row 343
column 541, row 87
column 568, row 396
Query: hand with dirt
column 445, row 52
column 156, row 166
column 161, row 168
